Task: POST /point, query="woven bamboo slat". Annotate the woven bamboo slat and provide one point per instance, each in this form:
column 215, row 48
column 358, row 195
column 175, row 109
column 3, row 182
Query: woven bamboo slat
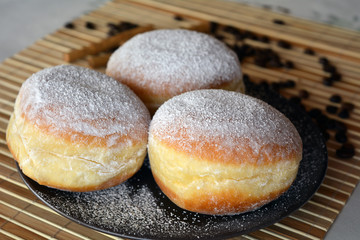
column 23, row 216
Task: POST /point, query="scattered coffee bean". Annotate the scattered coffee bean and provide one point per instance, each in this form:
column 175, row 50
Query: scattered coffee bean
column 347, row 150
column 331, row 124
column 264, row 39
column 323, row 60
column 260, row 62
column 275, row 86
column 314, row 113
column 249, row 34
column 341, row 137
column 264, row 84
column 69, row 25
column 303, row 94
column 284, row 44
column 112, row 25
column 332, row 109
column 275, row 62
column 123, row 26
column 329, row 68
column 90, row 25
column 112, row 32
column 178, row 18
column 309, row 51
column 335, row 98
column 295, row 100
column 279, row 21
column 213, row 27
column 344, row 113
column 322, row 120
column 246, row 78
column 289, row 84
column 328, row 81
column 289, row 64
column 340, row 126
column 219, row 37
column 347, row 106
column 336, row 76
column 248, row 50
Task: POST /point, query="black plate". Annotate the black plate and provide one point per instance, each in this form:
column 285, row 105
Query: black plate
column 138, row 209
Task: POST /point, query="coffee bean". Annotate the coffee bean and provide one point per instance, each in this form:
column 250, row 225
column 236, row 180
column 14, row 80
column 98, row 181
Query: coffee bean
column 295, row 100
column 331, row 124
column 335, row 98
column 124, row 25
column 178, row 18
column 249, row 34
column 220, row 37
column 264, row 84
column 341, row 137
column 322, row 120
column 248, row 50
column 323, row 60
column 344, row 113
column 328, row 81
column 246, row 78
column 332, row 109
column 309, row 51
column 264, row 39
column 336, row 76
column 289, row 64
column 213, row 27
column 69, row 25
column 279, row 21
column 259, row 61
column 275, row 86
column 90, row 25
column 340, row 126
column 112, row 25
column 347, row 106
column 289, row 84
column 303, row 94
column 284, row 44
column 275, row 62
column 314, row 113
column 347, row 150
column 329, row 68
column 112, row 32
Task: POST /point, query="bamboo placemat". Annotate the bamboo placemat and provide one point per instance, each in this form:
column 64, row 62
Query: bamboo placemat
column 23, row 216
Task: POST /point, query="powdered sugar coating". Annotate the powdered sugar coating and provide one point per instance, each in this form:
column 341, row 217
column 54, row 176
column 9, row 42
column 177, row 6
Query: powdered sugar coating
column 74, row 99
column 230, row 123
column 173, row 61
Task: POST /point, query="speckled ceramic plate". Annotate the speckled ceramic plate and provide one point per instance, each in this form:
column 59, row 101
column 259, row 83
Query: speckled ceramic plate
column 138, row 209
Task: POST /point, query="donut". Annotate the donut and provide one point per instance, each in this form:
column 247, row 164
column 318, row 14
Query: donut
column 77, row 129
column 221, row 152
column 160, row 64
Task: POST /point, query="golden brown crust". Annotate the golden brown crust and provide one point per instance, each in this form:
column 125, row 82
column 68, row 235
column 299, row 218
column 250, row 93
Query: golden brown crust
column 72, row 161
column 227, row 202
column 212, row 186
column 157, row 68
column 154, row 98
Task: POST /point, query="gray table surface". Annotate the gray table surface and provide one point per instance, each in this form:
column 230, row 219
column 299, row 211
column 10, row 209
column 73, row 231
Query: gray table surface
column 23, row 22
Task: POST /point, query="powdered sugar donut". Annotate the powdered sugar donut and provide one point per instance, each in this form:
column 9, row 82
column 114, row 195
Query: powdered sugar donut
column 222, row 152
column 160, row 64
column 77, row 129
